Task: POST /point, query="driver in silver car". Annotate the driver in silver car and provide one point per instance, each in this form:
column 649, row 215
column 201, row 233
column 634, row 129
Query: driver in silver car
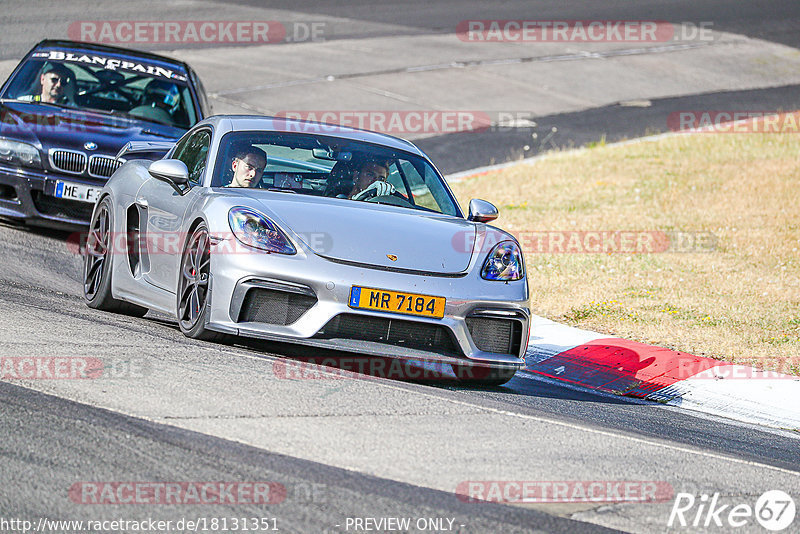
column 367, row 180
column 370, row 181
column 248, row 166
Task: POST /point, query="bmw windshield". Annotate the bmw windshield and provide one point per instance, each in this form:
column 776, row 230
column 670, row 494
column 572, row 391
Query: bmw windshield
column 132, row 88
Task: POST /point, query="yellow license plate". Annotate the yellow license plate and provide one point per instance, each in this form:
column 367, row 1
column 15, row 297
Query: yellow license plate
column 396, row 302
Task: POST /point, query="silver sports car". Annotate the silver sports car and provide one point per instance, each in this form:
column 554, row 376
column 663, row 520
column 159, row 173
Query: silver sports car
column 314, row 234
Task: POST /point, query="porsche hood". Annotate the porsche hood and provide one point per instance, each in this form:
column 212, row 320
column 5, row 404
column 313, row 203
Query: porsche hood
column 373, row 234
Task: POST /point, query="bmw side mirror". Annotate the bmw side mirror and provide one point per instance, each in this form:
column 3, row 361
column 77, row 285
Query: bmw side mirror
column 482, row 211
column 172, row 171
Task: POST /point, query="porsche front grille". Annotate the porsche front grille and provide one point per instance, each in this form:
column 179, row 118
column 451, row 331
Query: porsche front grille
column 270, row 306
column 397, row 332
column 103, row 166
column 500, row 336
column 68, row 161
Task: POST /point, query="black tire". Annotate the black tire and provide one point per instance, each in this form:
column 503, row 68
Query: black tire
column 97, row 263
column 482, row 376
column 14, row 222
column 193, row 286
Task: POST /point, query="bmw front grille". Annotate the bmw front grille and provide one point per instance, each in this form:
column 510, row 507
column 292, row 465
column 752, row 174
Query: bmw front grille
column 70, row 161
column 103, row 166
column 75, row 162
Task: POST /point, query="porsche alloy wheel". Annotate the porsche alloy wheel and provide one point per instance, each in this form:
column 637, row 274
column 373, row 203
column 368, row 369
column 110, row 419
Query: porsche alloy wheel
column 97, row 253
column 97, row 263
column 194, row 287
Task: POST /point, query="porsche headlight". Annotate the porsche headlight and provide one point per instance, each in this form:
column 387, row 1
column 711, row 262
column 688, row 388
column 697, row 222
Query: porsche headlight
column 504, row 263
column 256, row 230
column 17, row 153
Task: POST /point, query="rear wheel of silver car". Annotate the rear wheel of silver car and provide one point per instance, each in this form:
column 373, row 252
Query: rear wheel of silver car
column 194, row 287
column 483, row 376
column 97, row 265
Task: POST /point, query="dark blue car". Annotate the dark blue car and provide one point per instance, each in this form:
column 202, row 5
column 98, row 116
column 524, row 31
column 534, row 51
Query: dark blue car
column 66, row 111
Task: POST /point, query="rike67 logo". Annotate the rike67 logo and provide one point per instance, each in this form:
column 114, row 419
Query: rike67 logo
column 774, row 510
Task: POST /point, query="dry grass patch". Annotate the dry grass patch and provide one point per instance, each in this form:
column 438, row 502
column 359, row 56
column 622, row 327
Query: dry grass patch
column 739, row 301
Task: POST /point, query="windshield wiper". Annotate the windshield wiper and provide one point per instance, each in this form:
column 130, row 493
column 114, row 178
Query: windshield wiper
column 60, row 106
column 157, row 134
column 281, row 190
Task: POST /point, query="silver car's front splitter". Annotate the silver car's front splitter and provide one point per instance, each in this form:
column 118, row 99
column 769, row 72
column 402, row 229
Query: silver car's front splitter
column 331, row 284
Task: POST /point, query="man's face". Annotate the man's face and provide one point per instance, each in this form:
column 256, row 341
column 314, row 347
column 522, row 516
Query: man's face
column 368, row 174
column 247, row 171
column 52, row 86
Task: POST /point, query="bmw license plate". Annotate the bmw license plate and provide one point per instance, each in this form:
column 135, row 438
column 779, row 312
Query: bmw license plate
column 72, row 191
column 369, row 298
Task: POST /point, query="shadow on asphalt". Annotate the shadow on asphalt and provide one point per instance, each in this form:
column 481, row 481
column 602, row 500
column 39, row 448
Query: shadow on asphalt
column 301, row 362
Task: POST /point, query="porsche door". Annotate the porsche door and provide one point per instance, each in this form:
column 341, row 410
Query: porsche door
column 165, row 207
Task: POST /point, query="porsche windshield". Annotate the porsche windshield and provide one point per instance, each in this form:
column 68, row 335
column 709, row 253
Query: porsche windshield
column 98, row 83
column 329, row 166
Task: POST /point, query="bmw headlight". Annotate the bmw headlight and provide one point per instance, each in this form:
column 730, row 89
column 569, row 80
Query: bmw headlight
column 256, row 230
column 17, row 153
column 504, row 263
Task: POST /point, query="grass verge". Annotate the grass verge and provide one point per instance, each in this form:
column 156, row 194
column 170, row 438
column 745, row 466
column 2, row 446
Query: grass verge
column 720, row 213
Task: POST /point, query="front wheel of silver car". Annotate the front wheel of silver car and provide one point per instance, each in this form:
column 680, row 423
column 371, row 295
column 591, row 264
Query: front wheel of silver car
column 483, row 376
column 97, row 265
column 194, row 287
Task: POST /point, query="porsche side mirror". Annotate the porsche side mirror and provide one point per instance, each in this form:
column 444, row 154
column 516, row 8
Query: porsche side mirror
column 482, row 211
column 172, row 171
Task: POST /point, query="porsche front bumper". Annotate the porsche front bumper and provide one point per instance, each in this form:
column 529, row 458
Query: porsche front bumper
column 305, row 299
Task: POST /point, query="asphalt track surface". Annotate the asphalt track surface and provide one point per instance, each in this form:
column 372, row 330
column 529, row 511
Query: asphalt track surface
column 70, row 440
column 49, row 442
column 363, row 448
column 568, row 98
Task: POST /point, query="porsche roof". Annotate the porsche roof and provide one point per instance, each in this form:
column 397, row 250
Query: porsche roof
column 261, row 122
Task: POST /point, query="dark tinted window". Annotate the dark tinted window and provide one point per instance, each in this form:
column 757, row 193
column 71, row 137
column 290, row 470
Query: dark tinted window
column 193, row 151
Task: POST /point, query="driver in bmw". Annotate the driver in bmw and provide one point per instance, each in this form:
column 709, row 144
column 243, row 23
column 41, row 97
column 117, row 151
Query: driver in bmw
column 370, row 181
column 52, row 81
